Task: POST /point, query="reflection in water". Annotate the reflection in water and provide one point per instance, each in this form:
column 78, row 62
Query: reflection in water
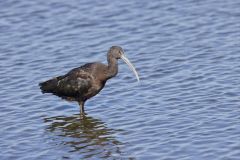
column 86, row 135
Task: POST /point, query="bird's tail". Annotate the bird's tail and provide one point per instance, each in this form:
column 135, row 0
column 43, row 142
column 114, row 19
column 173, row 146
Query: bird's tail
column 49, row 86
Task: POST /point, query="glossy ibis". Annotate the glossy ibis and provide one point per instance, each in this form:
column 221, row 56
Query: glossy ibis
column 86, row 81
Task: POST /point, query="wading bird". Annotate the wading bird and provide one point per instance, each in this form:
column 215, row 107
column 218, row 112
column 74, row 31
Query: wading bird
column 86, row 81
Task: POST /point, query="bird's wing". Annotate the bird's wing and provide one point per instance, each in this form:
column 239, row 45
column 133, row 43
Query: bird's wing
column 74, row 84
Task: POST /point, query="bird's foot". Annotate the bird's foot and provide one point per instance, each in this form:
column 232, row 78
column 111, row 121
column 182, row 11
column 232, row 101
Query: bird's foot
column 83, row 115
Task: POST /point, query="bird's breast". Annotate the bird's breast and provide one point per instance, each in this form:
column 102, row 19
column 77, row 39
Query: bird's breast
column 96, row 87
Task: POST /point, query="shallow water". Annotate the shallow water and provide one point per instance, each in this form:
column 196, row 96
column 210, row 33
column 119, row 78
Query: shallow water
column 186, row 106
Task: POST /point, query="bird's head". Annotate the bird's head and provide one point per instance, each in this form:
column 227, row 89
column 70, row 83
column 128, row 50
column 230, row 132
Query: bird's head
column 118, row 53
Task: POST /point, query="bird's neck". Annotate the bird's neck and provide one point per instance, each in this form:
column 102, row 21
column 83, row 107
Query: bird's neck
column 112, row 67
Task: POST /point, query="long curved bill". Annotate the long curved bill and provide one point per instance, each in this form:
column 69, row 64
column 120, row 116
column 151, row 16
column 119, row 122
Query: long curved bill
column 124, row 58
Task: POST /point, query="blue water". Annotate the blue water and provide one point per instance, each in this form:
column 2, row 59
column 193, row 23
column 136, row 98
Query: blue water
column 187, row 105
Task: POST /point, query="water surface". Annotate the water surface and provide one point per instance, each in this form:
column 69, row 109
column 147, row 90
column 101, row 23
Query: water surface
column 186, row 106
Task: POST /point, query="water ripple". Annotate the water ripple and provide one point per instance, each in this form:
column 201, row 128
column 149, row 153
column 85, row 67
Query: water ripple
column 185, row 107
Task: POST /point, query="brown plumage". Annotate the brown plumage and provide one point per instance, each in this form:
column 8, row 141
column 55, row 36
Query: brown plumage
column 86, row 81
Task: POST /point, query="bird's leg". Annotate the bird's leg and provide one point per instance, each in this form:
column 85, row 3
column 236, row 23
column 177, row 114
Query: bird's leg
column 81, row 104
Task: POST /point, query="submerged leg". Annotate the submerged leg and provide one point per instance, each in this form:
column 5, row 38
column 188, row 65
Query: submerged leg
column 81, row 104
